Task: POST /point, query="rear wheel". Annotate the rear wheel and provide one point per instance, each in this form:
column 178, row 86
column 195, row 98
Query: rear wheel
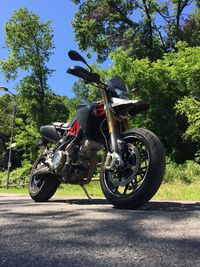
column 42, row 187
column 138, row 180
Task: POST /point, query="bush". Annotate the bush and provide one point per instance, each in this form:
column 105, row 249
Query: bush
column 3, row 176
column 187, row 173
column 18, row 176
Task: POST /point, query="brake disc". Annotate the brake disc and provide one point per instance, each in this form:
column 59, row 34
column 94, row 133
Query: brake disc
column 131, row 166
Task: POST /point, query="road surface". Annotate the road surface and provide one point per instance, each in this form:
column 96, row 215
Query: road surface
column 76, row 232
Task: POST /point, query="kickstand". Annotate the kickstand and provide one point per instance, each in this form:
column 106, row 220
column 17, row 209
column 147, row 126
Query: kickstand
column 86, row 192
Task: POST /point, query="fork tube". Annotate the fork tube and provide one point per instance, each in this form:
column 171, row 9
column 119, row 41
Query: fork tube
column 110, row 120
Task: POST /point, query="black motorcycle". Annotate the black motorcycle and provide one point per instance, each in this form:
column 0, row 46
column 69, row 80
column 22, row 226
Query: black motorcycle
column 133, row 160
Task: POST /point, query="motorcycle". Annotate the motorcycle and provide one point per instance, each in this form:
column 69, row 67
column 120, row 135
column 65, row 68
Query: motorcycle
column 133, row 160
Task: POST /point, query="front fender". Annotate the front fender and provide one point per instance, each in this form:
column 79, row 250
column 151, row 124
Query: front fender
column 131, row 106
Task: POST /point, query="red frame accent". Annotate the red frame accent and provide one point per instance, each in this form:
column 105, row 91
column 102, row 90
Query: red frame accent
column 74, row 129
column 100, row 112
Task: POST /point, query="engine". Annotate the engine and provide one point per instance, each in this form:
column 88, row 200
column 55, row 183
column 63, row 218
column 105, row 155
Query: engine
column 88, row 151
column 75, row 163
column 59, row 159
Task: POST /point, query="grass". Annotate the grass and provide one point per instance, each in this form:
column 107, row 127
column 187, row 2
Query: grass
column 167, row 191
column 179, row 191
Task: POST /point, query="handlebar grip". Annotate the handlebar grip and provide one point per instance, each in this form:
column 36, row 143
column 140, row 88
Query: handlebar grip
column 84, row 74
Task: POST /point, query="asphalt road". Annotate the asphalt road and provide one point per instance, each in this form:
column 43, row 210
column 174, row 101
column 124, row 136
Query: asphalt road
column 77, row 232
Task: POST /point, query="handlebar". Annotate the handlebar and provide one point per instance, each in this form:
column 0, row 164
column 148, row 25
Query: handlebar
column 84, row 74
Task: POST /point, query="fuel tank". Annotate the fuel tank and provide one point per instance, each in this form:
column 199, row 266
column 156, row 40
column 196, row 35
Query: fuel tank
column 92, row 120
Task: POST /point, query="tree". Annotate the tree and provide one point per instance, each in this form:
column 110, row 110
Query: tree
column 5, row 122
column 27, row 135
column 72, row 103
column 108, row 24
column 189, row 105
column 30, row 44
column 143, row 28
column 191, row 29
column 6, row 117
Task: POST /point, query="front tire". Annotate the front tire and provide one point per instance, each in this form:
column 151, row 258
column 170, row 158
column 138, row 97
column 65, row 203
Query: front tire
column 42, row 187
column 139, row 179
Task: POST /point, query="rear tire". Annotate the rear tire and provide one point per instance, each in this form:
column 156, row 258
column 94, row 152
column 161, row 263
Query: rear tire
column 137, row 182
column 42, row 187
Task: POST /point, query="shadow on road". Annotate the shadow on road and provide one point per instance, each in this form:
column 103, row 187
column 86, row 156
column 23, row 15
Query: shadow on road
column 95, row 201
column 6, row 201
column 153, row 205
column 171, row 206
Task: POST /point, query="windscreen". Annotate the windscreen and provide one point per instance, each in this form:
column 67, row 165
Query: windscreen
column 118, row 88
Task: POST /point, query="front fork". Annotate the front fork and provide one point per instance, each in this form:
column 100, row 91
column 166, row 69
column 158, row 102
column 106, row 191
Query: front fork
column 113, row 158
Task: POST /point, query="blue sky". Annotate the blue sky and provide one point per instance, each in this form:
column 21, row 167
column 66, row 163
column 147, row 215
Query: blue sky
column 61, row 14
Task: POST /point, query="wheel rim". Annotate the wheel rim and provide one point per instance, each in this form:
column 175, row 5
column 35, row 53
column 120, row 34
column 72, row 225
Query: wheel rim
column 127, row 180
column 37, row 181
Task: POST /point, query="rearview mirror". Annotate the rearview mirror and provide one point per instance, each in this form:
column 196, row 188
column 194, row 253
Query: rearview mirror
column 73, row 55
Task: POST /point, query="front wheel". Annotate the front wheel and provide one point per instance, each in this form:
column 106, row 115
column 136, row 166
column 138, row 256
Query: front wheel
column 134, row 184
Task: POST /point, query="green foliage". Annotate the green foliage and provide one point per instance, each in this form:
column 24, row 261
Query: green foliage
column 142, row 28
column 71, row 104
column 30, row 44
column 6, row 106
column 57, row 108
column 191, row 109
column 26, row 133
column 187, row 173
column 191, row 29
column 18, row 177
column 5, row 127
column 27, row 137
